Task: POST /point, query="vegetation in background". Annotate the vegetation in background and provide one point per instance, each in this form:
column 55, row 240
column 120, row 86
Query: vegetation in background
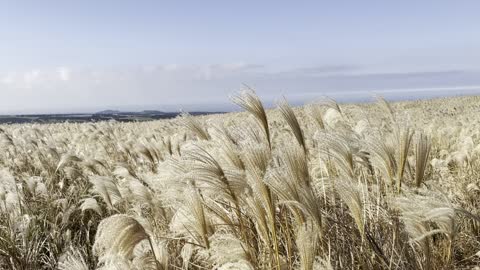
column 325, row 186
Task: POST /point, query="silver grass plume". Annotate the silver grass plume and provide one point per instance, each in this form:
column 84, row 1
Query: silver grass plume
column 291, row 183
column 420, row 213
column 250, row 102
column 404, row 139
column 259, row 213
column 140, row 193
column 322, row 264
column 248, row 131
column 296, row 165
column 292, row 121
column 422, row 153
column 343, row 150
column 351, row 196
column 306, row 241
column 385, row 106
column 150, row 255
column 72, row 260
column 145, row 262
column 192, row 219
column 382, row 156
column 67, row 158
column 256, row 157
column 330, row 103
column 227, row 248
column 107, row 189
column 115, row 262
column 238, row 265
column 206, row 168
column 90, row 204
column 262, row 204
column 226, row 184
column 192, row 124
column 316, row 113
column 229, row 147
column 118, row 234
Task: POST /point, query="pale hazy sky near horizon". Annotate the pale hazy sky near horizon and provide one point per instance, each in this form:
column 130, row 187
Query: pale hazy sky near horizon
column 72, row 56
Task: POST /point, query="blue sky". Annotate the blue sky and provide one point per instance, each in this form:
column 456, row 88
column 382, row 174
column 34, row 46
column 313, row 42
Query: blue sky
column 59, row 56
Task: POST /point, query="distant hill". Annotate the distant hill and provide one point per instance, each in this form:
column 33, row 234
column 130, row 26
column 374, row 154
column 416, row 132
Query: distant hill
column 108, row 112
column 117, row 112
column 105, row 115
column 153, row 112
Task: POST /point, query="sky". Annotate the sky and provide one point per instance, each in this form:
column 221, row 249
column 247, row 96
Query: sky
column 84, row 56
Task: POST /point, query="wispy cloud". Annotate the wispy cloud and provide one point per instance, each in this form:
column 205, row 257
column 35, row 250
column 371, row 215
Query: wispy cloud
column 67, row 88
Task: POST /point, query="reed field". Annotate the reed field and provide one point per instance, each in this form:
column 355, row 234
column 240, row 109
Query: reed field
column 324, row 186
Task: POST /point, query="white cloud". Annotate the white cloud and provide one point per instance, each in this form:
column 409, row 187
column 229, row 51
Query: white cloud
column 8, row 78
column 63, row 73
column 31, row 77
